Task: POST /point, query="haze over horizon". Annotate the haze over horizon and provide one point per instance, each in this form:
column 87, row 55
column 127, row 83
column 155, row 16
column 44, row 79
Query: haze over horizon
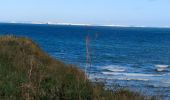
column 153, row 13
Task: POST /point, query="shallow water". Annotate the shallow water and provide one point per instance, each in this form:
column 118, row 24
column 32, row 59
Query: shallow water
column 138, row 58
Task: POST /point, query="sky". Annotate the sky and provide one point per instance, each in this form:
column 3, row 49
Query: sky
column 96, row 12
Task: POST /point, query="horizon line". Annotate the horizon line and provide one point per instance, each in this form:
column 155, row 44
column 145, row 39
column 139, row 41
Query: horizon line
column 78, row 24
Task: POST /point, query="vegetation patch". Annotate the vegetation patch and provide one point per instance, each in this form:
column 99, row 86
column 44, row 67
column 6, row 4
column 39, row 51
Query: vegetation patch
column 27, row 73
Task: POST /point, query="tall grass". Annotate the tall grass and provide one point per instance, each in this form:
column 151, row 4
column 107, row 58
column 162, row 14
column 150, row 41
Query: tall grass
column 88, row 57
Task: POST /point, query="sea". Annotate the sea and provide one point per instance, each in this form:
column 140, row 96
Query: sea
column 136, row 58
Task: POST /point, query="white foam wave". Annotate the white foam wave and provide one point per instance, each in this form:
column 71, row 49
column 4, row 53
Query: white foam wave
column 131, row 74
column 139, row 74
column 102, row 77
column 161, row 68
column 114, row 68
column 135, row 79
column 165, row 82
column 111, row 73
column 160, row 85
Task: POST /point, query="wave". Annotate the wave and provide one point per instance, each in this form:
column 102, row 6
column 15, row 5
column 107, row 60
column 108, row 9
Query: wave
column 159, row 86
column 102, row 77
column 131, row 74
column 133, row 79
column 111, row 73
column 168, row 82
column 114, row 68
column 139, row 74
column 161, row 68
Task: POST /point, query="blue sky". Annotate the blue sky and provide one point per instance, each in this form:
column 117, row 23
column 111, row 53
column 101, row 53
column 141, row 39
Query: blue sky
column 98, row 12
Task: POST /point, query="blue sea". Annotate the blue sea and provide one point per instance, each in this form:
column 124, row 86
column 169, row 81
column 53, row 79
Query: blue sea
column 131, row 57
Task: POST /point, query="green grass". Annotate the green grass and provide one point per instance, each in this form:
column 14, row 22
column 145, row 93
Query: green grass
column 27, row 73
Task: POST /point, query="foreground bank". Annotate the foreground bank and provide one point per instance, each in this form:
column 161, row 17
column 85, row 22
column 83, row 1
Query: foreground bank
column 26, row 72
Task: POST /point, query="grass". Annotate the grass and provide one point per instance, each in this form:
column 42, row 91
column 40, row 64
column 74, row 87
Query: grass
column 27, row 73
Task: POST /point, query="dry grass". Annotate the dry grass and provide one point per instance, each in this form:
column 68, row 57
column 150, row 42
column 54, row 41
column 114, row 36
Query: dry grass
column 27, row 73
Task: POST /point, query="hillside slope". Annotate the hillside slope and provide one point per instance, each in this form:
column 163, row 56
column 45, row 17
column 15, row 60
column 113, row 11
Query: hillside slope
column 27, row 73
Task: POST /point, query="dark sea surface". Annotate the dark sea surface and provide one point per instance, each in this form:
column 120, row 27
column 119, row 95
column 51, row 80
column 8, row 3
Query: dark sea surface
column 136, row 58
